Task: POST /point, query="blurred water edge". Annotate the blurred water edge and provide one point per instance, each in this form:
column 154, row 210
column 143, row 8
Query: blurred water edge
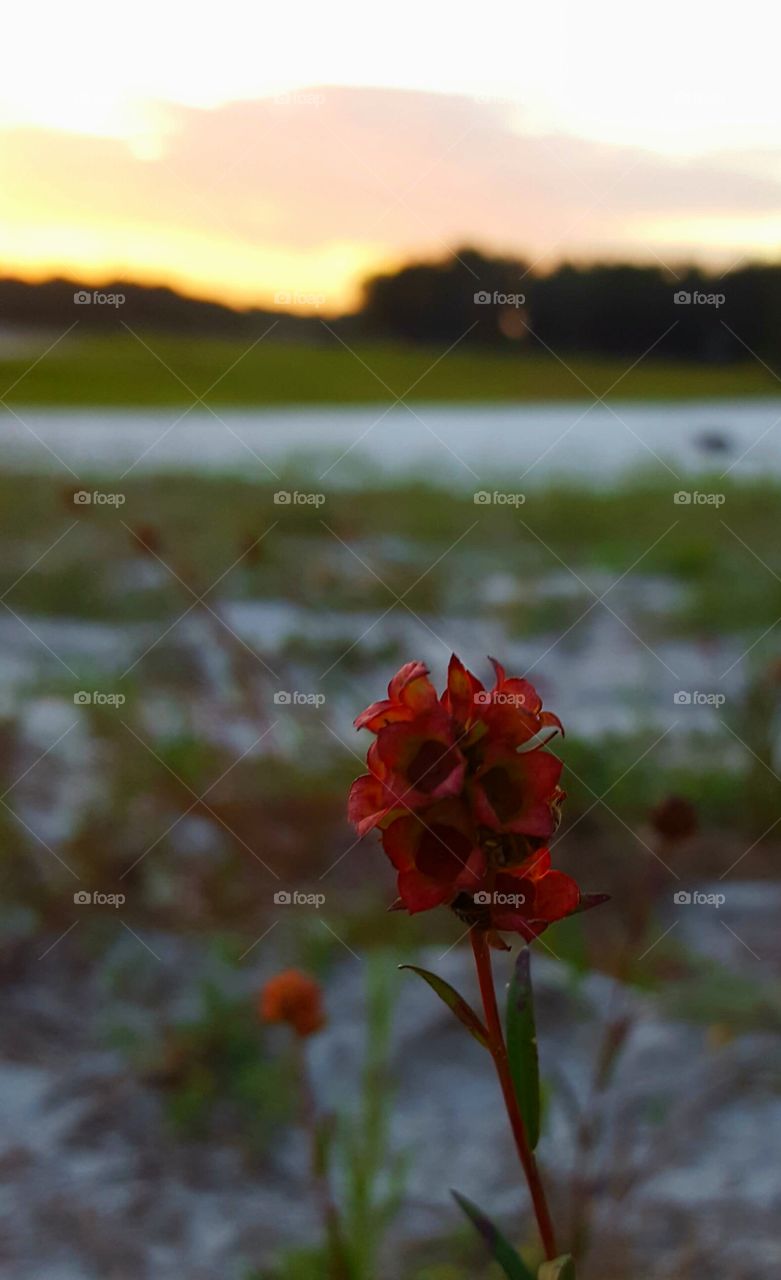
column 449, row 444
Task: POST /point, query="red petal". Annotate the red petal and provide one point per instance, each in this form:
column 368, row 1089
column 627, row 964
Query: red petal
column 381, row 713
column 548, row 718
column 515, row 792
column 532, row 868
column 409, row 692
column 499, row 669
column 436, row 858
column 412, row 686
column 410, row 671
column 418, row 893
column 370, row 802
column 400, row 842
column 459, row 698
column 556, row 896
column 421, row 755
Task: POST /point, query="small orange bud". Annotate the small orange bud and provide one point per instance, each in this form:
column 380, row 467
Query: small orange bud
column 295, row 998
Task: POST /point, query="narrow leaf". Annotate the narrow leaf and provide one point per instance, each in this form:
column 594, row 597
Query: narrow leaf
column 501, row 1250
column 559, row 1269
column 522, row 1046
column 464, row 1012
column 589, row 900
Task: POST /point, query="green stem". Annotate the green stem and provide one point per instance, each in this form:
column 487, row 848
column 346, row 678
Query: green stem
column 339, row 1268
column 498, row 1050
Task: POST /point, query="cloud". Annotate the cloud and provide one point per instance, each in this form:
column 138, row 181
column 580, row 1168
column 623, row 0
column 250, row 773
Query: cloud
column 314, row 189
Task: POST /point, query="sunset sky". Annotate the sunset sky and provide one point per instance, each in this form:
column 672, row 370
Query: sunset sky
column 241, row 153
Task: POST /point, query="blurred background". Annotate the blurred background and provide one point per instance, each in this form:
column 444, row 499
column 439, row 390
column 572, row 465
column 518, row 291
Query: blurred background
column 330, row 341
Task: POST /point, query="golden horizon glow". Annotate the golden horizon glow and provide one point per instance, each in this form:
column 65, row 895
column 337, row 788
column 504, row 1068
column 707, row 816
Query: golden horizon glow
column 175, row 160
column 326, row 283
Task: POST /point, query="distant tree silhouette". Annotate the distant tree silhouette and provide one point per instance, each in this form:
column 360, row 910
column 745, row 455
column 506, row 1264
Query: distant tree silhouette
column 436, row 301
column 609, row 309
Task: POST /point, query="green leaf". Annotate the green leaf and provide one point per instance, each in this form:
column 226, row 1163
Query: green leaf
column 464, row 1012
column 590, row 900
column 562, row 1268
column 501, row 1250
column 522, row 1046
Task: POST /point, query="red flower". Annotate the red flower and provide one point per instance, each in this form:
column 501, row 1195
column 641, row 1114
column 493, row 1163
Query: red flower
column 465, row 796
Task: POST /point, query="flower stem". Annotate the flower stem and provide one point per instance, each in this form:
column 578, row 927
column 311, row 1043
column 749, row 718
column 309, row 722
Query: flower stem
column 498, row 1050
column 338, row 1266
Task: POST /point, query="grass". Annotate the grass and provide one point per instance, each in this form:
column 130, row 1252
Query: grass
column 122, row 371
column 541, row 556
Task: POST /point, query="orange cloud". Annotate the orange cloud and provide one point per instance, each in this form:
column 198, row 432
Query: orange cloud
column 305, row 195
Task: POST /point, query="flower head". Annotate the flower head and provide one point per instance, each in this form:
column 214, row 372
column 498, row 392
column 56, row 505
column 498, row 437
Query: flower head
column 295, row 998
column 466, row 798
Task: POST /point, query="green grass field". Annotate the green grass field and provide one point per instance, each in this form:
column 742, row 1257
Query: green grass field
column 123, row 370
column 401, row 532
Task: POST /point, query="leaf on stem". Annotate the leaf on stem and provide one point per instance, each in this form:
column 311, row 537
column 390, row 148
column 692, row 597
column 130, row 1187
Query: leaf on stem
column 522, row 1046
column 501, row 1250
column 562, row 1268
column 464, row 1012
column 589, row 900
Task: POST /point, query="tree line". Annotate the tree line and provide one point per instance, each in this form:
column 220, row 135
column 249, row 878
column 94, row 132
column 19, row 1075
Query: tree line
column 611, row 309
